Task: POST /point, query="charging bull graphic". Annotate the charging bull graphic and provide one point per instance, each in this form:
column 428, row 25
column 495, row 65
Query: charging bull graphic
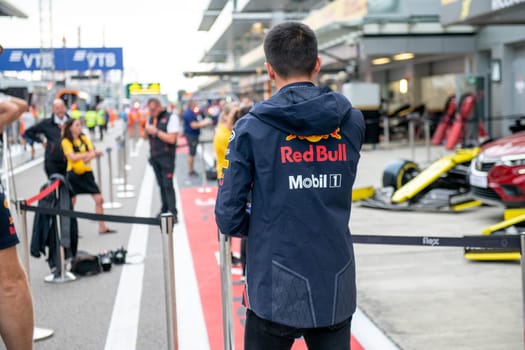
column 314, row 153
column 316, row 138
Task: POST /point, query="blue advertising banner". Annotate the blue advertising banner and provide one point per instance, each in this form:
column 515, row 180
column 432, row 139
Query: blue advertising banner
column 79, row 59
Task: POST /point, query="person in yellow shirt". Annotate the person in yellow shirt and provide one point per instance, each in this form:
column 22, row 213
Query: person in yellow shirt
column 229, row 115
column 90, row 118
column 79, row 152
column 75, row 112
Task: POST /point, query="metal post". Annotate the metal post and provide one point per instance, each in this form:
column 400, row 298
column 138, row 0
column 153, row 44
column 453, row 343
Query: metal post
column 9, row 172
column 427, row 138
column 119, row 179
column 99, row 176
column 487, row 96
column 132, row 149
column 411, row 126
column 22, row 214
column 5, row 163
column 126, row 191
column 65, row 276
column 204, row 187
column 129, row 146
column 38, row 333
column 125, row 157
column 522, row 240
column 110, row 204
column 227, row 293
column 386, row 131
column 166, row 224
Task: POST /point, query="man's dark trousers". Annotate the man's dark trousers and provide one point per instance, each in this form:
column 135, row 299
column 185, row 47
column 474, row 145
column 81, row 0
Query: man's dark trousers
column 164, row 168
column 261, row 334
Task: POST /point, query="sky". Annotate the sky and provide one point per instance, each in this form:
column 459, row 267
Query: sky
column 159, row 38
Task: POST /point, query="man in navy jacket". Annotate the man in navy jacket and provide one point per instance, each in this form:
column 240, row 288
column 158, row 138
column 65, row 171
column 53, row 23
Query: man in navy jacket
column 297, row 154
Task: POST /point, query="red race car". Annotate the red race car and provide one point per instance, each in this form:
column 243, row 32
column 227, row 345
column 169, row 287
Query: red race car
column 497, row 174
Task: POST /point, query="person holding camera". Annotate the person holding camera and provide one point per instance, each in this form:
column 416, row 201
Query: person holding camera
column 162, row 129
column 297, row 154
column 16, row 307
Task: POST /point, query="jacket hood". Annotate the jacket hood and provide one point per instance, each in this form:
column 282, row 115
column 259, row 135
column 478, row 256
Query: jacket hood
column 304, row 109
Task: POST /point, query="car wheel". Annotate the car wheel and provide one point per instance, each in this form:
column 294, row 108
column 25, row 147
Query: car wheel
column 399, row 172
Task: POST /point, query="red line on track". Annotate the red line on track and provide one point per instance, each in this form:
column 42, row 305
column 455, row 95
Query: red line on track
column 202, row 235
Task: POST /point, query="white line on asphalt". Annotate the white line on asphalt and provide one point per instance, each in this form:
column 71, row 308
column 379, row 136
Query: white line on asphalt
column 190, row 317
column 17, row 171
column 208, row 157
column 368, row 335
column 135, row 150
column 123, row 328
column 24, row 167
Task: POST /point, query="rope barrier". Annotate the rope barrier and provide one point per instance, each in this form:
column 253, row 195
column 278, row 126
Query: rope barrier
column 491, row 119
column 94, row 217
column 46, row 192
column 26, row 205
column 506, row 242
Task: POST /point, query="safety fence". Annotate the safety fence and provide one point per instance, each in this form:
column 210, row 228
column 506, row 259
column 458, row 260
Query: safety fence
column 166, row 223
column 507, row 242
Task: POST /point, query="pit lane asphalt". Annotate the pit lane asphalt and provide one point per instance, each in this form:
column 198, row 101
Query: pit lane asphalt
column 433, row 298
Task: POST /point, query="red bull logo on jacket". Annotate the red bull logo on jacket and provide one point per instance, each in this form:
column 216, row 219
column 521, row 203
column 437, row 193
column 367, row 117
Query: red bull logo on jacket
column 316, row 138
column 317, row 153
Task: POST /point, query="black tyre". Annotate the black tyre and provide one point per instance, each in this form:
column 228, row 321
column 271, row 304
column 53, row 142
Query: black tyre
column 398, row 173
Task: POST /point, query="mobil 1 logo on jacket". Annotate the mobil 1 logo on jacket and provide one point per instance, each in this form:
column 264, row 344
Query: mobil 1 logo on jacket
column 314, row 162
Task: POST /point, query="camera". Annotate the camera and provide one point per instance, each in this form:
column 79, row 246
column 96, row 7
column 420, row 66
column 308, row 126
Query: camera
column 119, row 256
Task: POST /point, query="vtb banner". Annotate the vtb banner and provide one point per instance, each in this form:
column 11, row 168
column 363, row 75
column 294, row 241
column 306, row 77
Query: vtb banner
column 104, row 59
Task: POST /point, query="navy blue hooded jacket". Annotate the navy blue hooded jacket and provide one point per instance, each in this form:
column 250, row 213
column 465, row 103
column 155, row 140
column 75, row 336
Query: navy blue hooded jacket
column 297, row 153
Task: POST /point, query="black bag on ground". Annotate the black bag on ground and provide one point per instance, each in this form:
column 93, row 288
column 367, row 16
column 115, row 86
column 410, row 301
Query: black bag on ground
column 85, row 264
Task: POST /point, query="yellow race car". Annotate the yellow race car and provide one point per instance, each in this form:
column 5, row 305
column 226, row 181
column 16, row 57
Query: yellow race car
column 442, row 186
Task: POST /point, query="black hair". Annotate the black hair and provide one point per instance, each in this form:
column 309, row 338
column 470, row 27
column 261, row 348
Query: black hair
column 66, row 132
column 154, row 100
column 291, row 49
